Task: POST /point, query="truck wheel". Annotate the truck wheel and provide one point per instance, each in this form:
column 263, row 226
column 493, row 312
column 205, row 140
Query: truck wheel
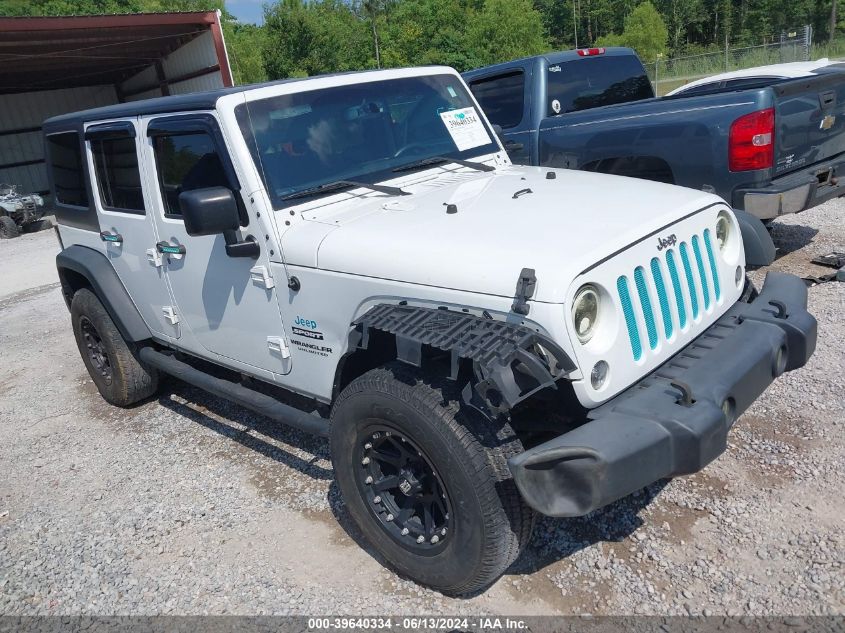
column 119, row 377
column 426, row 480
column 8, row 228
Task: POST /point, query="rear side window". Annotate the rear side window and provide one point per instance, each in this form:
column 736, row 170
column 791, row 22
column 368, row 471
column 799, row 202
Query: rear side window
column 502, row 98
column 118, row 177
column 66, row 166
column 591, row 82
column 186, row 162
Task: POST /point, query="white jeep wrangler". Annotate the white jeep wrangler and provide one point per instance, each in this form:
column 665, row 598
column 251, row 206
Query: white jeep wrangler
column 355, row 256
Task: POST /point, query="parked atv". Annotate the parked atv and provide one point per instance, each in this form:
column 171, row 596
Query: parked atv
column 19, row 212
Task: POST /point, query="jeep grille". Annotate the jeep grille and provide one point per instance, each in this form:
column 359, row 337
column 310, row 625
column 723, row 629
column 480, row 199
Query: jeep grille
column 693, row 282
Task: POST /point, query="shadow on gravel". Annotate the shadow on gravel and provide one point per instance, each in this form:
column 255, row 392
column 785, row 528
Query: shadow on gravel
column 791, row 237
column 276, row 431
column 553, row 540
column 556, row 538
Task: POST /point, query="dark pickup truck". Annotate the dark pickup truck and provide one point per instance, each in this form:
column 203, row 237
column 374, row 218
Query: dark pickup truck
column 768, row 146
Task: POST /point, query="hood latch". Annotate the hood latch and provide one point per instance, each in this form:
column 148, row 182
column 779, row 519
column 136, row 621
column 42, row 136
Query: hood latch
column 524, row 291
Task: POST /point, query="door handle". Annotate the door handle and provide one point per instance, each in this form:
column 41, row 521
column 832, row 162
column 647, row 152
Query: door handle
column 166, row 248
column 513, row 146
column 111, row 238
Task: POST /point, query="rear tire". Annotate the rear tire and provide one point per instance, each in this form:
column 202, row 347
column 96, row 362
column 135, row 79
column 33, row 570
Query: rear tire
column 401, row 441
column 120, row 378
column 38, row 225
column 8, row 228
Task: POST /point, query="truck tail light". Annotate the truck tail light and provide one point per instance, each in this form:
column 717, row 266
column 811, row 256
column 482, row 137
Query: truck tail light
column 589, row 52
column 751, row 141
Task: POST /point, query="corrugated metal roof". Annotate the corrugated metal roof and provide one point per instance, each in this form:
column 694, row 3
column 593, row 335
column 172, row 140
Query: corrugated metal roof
column 39, row 53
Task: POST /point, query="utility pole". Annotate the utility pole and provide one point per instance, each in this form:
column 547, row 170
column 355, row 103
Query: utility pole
column 575, row 22
column 832, row 20
column 375, row 41
column 371, row 8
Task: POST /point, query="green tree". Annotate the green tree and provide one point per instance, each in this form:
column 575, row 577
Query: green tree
column 506, row 29
column 318, row 37
column 246, row 43
column 644, row 31
column 418, row 32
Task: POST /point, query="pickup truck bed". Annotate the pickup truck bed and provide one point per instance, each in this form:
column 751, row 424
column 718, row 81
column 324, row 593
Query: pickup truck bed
column 766, row 149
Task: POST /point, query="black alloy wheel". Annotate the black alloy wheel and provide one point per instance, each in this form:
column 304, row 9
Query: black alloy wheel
column 96, row 349
column 403, row 489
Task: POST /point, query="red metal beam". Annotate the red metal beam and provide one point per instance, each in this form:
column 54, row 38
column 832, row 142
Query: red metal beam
column 9, row 25
column 220, row 49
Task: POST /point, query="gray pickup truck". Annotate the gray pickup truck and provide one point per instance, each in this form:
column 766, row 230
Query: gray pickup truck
column 766, row 145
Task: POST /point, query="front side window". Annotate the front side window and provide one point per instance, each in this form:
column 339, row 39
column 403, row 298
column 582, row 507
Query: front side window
column 118, row 176
column 502, row 98
column 362, row 132
column 186, row 162
column 66, row 167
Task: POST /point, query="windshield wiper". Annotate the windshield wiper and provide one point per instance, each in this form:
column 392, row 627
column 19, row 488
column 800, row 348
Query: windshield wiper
column 437, row 160
column 344, row 184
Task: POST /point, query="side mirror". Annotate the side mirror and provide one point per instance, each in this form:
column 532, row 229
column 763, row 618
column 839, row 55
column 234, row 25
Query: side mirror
column 209, row 211
column 497, row 130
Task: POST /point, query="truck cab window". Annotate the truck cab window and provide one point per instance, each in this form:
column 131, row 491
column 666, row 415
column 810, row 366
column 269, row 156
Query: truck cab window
column 502, row 98
column 186, row 162
column 118, row 177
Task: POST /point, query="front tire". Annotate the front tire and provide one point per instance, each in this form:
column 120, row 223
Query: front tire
column 120, row 378
column 8, row 228
column 426, row 480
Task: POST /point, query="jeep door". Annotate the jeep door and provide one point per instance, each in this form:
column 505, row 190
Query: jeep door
column 126, row 223
column 229, row 311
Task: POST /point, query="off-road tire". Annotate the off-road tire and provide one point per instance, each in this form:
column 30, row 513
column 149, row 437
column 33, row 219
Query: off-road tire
column 126, row 380
column 8, row 228
column 490, row 525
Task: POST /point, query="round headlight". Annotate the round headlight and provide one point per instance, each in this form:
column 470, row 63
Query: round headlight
column 585, row 312
column 724, row 229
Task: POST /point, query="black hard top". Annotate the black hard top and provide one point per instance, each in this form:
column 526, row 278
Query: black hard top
column 159, row 105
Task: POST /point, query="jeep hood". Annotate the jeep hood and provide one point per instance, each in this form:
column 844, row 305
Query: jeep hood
column 497, row 227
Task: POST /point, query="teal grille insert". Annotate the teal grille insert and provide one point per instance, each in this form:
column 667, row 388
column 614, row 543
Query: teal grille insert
column 645, row 302
column 708, row 244
column 630, row 320
column 693, row 292
column 657, row 274
column 676, row 286
column 705, row 287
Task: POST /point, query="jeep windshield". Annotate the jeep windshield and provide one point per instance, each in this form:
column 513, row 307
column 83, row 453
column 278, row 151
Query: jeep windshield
column 361, row 132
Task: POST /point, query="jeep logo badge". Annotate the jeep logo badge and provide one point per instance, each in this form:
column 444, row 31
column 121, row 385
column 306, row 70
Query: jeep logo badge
column 666, row 243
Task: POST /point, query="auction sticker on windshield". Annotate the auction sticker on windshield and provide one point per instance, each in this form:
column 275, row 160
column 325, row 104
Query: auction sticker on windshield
column 466, row 128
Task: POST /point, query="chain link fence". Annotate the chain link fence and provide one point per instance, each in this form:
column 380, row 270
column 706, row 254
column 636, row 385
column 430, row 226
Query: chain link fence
column 668, row 74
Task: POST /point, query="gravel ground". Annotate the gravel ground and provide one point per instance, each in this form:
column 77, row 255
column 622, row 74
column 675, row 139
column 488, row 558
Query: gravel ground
column 187, row 504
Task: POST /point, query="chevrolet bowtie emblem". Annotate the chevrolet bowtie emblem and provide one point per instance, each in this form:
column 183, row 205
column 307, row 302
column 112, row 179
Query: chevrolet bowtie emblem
column 827, row 122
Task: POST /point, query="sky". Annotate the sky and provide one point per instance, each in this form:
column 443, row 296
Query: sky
column 247, row 10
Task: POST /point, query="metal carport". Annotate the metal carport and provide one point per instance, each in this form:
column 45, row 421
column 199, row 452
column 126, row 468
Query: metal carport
column 55, row 65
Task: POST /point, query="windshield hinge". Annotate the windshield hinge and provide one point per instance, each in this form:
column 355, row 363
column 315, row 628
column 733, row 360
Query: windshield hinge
column 260, row 277
column 524, row 291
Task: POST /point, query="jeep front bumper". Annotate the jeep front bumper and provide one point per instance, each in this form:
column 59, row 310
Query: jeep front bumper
column 676, row 420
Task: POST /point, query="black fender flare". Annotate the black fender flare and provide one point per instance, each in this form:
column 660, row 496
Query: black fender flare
column 104, row 282
column 494, row 347
column 759, row 247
